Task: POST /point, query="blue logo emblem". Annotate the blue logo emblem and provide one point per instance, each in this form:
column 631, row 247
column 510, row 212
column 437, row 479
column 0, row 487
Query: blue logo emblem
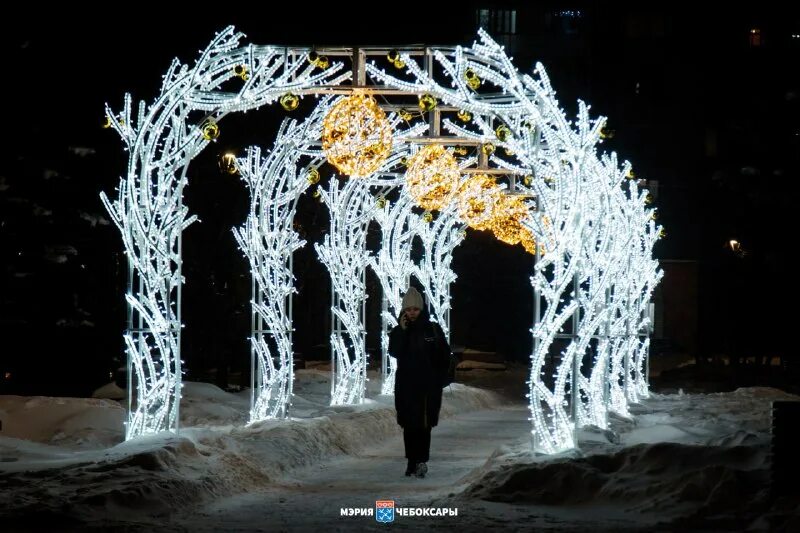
column 384, row 511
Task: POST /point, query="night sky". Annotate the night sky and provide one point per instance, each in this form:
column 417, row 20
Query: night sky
column 696, row 104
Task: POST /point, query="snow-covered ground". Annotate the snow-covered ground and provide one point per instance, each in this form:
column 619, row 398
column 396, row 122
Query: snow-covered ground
column 686, row 461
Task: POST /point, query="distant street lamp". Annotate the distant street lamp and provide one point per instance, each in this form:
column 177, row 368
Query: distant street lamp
column 736, row 248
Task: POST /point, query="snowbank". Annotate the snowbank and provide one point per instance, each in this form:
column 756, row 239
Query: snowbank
column 699, row 460
column 214, row 454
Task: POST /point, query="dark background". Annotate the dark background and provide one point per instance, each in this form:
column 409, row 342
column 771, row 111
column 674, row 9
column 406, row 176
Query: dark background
column 706, row 108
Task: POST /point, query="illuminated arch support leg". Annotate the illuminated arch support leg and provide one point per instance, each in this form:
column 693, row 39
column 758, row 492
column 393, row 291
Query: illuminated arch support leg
column 343, row 252
column 439, row 239
column 268, row 240
column 393, row 266
column 162, row 139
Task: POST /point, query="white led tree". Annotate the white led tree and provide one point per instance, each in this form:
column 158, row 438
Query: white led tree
column 343, row 252
column 162, row 138
column 439, row 239
column 393, row 266
column 268, row 240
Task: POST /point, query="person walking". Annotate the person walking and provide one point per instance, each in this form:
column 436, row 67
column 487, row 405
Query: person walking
column 423, row 356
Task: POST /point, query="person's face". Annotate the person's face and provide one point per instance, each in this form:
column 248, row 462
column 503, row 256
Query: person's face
column 412, row 313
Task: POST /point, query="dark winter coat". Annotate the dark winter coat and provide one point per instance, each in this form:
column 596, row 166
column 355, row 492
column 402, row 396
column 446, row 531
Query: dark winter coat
column 423, row 356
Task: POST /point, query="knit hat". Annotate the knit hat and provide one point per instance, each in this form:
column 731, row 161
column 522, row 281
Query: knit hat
column 413, row 298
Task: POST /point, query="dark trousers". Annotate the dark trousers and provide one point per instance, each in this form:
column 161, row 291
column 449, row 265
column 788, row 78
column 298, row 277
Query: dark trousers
column 418, row 444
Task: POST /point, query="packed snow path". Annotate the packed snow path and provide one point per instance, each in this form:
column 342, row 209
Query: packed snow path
column 313, row 496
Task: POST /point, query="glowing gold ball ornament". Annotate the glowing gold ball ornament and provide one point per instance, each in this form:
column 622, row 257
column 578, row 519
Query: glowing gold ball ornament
column 432, row 177
column 631, row 174
column 476, row 198
column 405, row 114
column 242, row 72
column 394, row 58
column 427, row 102
column 227, row 163
column 464, row 115
column 380, row 202
column 527, row 180
column 356, row 137
column 107, row 122
column 502, row 133
column 460, row 150
column 473, row 80
column 210, row 130
column 313, row 176
column 506, row 222
column 322, row 62
column 289, row 101
column 488, row 148
column 318, row 61
column 427, row 216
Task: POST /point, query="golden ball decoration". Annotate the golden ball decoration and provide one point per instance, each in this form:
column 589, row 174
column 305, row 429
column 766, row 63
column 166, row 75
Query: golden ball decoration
column 210, row 130
column 107, row 122
column 488, row 148
column 432, row 177
column 321, row 62
column 227, row 163
column 242, row 72
column 289, row 101
column 476, row 198
column 427, row 216
column 313, row 176
column 464, row 115
column 473, row 80
column 506, row 222
column 502, row 132
column 356, row 136
column 380, row 202
column 427, row 102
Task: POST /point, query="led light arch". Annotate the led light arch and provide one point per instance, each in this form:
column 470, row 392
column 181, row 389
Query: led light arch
column 581, row 212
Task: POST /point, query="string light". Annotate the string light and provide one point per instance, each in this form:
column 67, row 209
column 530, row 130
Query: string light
column 356, row 136
column 432, row 177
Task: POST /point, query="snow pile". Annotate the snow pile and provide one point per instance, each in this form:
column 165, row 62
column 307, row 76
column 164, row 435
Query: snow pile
column 213, row 456
column 81, row 422
column 698, row 460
